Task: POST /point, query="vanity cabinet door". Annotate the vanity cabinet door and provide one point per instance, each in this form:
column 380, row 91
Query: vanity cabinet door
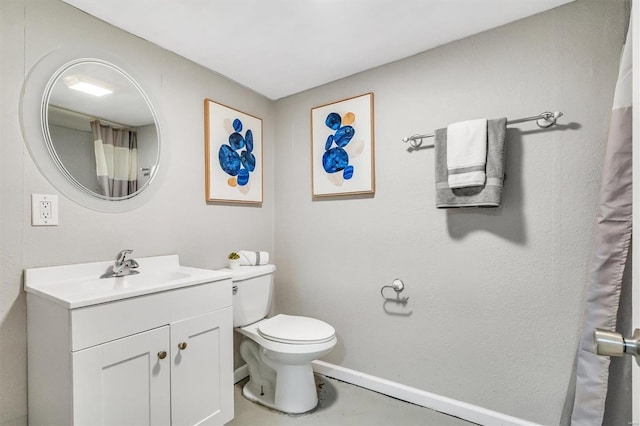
column 123, row 382
column 202, row 369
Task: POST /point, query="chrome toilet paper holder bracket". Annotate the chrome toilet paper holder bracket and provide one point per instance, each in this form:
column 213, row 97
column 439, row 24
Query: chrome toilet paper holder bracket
column 398, row 286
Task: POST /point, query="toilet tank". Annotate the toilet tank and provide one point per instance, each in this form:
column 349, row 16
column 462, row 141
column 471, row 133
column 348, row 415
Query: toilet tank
column 252, row 300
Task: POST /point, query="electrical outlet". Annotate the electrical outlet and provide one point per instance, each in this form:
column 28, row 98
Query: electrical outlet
column 44, row 210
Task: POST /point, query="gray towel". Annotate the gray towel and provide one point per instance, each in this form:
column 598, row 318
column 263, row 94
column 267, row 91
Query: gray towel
column 489, row 195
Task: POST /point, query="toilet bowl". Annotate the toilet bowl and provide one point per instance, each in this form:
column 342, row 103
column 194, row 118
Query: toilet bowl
column 278, row 350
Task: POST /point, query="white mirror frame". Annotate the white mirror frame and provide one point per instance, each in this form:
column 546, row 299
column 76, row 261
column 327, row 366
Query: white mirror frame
column 33, row 120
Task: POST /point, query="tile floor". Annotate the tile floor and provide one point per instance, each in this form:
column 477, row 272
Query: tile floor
column 342, row 404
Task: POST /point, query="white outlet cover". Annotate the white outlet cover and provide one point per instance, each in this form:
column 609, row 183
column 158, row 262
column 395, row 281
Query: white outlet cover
column 44, row 217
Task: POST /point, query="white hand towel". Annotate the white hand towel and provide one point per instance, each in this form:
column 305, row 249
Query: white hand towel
column 467, row 153
column 251, row 258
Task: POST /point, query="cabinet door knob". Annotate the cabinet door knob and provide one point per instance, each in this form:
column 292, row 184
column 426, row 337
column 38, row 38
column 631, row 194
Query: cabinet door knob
column 182, row 345
column 162, row 354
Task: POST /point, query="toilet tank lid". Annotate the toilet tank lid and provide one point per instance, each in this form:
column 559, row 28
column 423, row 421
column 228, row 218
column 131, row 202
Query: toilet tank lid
column 246, row 272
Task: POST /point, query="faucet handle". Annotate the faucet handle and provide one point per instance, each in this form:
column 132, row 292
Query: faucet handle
column 122, row 255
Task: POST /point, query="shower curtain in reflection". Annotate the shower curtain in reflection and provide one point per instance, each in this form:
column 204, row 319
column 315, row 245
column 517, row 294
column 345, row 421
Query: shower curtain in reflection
column 611, row 248
column 116, row 151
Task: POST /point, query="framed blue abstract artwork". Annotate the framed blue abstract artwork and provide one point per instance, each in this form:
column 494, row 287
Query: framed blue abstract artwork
column 233, row 155
column 342, row 150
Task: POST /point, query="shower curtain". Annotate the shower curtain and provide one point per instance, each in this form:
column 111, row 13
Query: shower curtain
column 116, row 152
column 611, row 248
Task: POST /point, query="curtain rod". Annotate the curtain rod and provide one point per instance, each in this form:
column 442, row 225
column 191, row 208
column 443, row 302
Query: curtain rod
column 89, row 118
column 544, row 120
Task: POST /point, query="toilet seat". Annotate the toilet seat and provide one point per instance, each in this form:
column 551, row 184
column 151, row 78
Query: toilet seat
column 294, row 330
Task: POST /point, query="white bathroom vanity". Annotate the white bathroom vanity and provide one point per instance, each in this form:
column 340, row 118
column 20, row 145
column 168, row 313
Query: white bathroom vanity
column 151, row 348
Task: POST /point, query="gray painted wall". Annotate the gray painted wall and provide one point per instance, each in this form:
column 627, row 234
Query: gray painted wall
column 177, row 220
column 496, row 296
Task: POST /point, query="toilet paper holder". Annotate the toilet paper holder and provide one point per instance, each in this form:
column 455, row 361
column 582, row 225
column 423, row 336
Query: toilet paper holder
column 398, row 286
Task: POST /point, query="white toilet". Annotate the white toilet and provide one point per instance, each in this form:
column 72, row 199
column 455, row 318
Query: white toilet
column 277, row 350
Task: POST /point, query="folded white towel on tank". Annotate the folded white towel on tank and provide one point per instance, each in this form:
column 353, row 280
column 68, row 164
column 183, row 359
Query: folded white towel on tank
column 467, row 153
column 250, row 258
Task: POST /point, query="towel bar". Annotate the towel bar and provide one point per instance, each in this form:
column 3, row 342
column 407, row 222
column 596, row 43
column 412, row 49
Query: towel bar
column 543, row 120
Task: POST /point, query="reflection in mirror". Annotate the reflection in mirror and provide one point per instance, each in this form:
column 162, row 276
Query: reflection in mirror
column 100, row 129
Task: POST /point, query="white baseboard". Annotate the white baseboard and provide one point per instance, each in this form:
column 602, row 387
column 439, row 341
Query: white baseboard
column 442, row 404
column 445, row 405
column 240, row 373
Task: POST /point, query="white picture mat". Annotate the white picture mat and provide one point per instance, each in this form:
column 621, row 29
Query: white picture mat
column 219, row 122
column 361, row 159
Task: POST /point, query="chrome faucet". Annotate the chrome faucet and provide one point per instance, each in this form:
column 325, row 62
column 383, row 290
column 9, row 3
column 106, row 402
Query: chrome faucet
column 122, row 266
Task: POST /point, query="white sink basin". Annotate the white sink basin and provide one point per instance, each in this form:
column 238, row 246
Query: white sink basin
column 75, row 286
column 141, row 280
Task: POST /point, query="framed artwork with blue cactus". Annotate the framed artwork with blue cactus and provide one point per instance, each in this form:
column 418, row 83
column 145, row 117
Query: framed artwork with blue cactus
column 342, row 149
column 233, row 153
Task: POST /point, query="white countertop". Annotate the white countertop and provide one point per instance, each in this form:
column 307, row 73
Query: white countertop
column 75, row 286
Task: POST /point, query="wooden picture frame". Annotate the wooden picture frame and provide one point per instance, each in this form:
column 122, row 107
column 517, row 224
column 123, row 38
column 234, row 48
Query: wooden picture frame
column 233, row 155
column 342, row 147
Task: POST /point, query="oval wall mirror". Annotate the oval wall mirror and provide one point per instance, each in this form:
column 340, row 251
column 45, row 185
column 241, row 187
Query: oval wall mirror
column 92, row 130
column 100, row 129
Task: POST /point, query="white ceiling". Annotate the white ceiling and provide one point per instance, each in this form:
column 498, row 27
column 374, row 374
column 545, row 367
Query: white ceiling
column 282, row 47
